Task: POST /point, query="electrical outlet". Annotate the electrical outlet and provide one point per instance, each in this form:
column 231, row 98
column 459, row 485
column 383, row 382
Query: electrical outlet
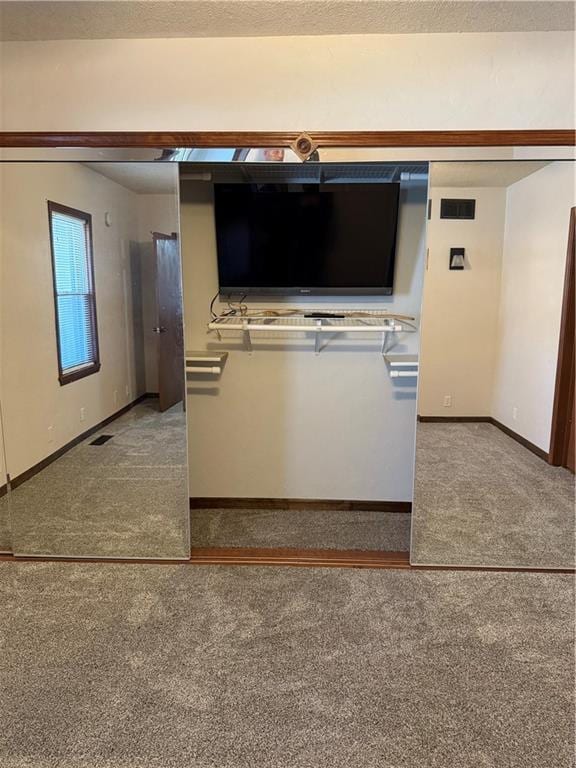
column 127, row 391
column 115, row 396
column 51, row 433
column 514, row 413
column 447, row 401
column 82, row 414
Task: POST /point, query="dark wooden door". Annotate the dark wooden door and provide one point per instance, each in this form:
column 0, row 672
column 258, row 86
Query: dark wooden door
column 562, row 441
column 170, row 328
column 570, row 448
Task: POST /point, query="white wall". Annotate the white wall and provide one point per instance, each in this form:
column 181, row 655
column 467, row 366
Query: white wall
column 32, row 397
column 535, row 245
column 460, row 308
column 284, row 422
column 440, row 81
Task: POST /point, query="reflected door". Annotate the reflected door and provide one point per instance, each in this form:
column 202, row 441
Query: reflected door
column 562, row 440
column 170, row 330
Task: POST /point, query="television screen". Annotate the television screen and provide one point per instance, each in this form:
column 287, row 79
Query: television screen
column 306, row 239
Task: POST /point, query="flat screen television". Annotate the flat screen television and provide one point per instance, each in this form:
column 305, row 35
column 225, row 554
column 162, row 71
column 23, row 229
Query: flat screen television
column 310, row 239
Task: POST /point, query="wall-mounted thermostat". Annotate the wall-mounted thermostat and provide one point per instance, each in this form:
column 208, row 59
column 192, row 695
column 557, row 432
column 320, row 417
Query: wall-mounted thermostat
column 456, row 258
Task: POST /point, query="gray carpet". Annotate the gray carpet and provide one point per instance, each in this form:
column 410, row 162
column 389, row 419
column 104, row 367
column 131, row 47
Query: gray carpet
column 481, row 498
column 143, row 666
column 324, row 529
column 126, row 498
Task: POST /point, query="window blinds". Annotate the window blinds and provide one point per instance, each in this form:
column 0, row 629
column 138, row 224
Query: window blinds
column 74, row 291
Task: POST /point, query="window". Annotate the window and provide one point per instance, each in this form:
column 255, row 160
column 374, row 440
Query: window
column 74, row 300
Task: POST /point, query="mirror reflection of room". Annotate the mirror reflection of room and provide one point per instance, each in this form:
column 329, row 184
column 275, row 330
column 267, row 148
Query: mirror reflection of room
column 92, row 361
column 304, row 437
column 495, row 439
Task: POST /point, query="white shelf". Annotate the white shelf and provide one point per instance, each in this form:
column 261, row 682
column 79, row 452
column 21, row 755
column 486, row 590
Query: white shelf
column 402, row 366
column 205, row 362
column 354, row 322
column 402, row 361
column 297, row 324
column 198, row 358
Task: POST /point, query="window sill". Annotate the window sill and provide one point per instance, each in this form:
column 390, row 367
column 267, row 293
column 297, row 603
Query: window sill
column 81, row 373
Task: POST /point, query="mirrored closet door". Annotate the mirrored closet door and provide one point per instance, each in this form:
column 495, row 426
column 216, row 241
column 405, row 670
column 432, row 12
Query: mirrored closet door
column 494, row 477
column 92, row 361
column 302, row 287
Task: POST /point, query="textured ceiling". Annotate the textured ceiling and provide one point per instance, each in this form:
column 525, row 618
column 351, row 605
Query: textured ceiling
column 62, row 20
column 482, row 174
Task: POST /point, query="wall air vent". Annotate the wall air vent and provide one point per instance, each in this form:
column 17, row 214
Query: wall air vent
column 457, row 209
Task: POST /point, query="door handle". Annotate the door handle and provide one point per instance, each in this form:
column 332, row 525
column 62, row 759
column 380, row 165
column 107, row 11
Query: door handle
column 159, row 329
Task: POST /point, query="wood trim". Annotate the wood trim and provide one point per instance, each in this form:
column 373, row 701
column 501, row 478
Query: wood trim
column 504, row 138
column 522, row 440
column 29, row 473
column 487, row 420
column 239, row 139
column 207, row 502
column 67, row 377
column 565, row 365
column 334, row 558
column 81, row 373
column 455, row 419
column 281, row 557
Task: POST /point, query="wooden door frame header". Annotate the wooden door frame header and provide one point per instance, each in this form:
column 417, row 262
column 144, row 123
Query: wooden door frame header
column 267, row 139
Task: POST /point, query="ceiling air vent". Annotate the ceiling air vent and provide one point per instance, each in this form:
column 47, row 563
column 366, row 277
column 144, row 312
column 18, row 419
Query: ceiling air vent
column 457, row 209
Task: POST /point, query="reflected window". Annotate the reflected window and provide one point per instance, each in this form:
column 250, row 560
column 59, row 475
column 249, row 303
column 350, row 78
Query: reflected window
column 216, row 155
column 74, row 298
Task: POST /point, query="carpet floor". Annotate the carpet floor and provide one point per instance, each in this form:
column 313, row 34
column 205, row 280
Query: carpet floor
column 161, row 666
column 324, row 529
column 5, row 527
column 480, row 498
column 125, row 498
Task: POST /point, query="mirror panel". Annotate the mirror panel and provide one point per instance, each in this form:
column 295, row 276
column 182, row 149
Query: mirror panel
column 458, row 517
column 342, row 154
column 495, row 303
column 91, row 300
column 297, row 441
column 446, row 154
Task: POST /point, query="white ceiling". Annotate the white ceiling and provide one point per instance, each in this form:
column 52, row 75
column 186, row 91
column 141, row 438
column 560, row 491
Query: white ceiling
column 481, row 174
column 143, row 178
column 63, row 20
column 161, row 178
